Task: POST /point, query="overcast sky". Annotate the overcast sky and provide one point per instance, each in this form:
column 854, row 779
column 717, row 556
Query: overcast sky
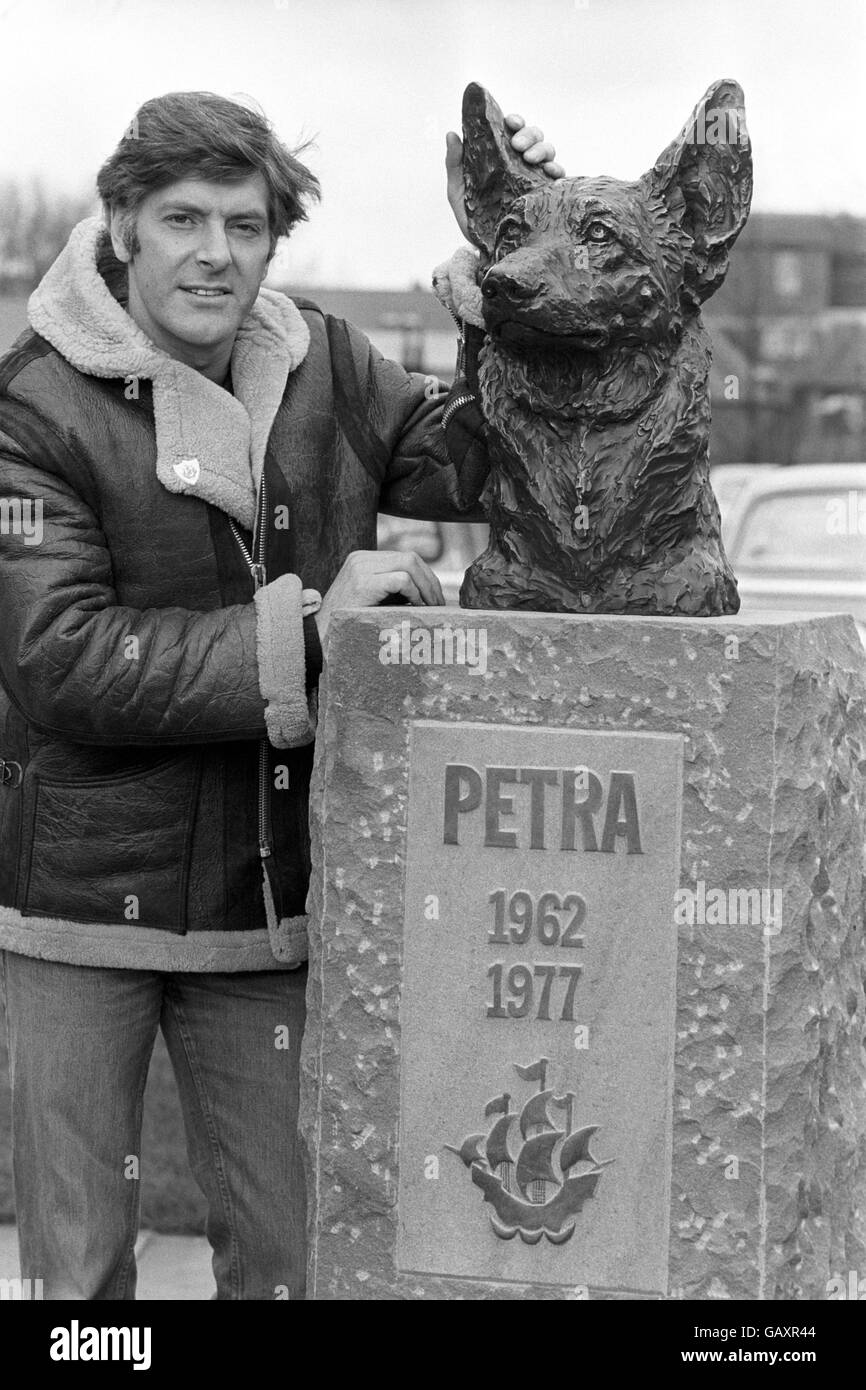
column 378, row 82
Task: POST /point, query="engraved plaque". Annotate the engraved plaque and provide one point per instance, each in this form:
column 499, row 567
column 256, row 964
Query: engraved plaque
column 537, row 1014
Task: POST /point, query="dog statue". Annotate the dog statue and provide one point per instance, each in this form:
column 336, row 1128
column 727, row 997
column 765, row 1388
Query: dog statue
column 594, row 369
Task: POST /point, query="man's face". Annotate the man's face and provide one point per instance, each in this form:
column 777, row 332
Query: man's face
column 203, row 254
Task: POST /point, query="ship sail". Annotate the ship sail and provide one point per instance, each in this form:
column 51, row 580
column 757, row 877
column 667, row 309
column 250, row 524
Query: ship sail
column 576, row 1147
column 498, row 1106
column 535, row 1113
column 469, row 1149
column 534, row 1163
column 497, row 1142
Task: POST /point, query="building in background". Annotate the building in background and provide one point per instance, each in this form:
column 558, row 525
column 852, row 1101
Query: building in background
column 409, row 326
column 794, row 307
column 788, row 380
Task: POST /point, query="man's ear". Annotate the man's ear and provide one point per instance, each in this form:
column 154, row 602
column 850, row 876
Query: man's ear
column 494, row 174
column 117, row 221
column 705, row 177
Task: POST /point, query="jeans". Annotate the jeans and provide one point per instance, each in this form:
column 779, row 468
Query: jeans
column 80, row 1042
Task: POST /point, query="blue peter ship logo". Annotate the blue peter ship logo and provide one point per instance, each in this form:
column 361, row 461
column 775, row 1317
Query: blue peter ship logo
column 538, row 1189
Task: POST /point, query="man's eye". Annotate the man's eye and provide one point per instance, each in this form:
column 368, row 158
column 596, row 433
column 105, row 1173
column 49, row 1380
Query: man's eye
column 248, row 227
column 178, row 217
column 597, row 231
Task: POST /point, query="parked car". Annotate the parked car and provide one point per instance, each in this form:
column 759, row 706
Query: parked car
column 728, row 480
column 449, row 547
column 796, row 537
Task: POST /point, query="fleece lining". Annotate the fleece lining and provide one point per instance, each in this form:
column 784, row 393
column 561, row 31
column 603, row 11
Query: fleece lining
column 280, row 650
column 456, row 287
column 288, row 935
column 210, row 443
column 121, row 946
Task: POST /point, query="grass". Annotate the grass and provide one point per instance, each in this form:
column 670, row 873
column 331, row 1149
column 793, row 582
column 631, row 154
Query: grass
column 170, row 1200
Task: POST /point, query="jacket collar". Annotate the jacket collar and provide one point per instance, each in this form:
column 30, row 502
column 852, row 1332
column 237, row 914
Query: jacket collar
column 209, row 443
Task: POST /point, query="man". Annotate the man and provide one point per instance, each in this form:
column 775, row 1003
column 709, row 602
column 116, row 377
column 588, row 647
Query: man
column 202, row 459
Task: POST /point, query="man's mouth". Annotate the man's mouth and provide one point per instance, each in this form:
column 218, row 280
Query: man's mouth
column 206, row 291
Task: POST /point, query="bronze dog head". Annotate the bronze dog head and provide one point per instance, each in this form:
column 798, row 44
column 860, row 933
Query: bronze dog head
column 594, row 371
column 587, row 263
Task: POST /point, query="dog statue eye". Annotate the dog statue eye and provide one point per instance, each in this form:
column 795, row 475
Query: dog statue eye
column 597, row 231
column 508, row 237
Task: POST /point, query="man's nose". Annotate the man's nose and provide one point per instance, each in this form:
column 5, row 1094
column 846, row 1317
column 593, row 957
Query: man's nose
column 213, row 248
column 510, row 283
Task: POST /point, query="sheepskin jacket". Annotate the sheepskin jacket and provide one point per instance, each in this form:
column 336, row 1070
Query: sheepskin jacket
column 159, row 536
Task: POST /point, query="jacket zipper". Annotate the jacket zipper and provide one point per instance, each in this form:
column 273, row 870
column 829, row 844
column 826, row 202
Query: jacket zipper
column 256, row 567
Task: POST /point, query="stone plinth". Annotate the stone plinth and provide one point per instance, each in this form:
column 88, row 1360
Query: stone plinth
column 586, row 1006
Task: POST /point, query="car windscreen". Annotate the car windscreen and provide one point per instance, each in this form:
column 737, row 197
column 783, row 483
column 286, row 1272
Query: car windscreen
column 816, row 530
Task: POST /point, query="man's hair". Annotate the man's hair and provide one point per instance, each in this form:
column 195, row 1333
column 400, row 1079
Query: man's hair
column 201, row 135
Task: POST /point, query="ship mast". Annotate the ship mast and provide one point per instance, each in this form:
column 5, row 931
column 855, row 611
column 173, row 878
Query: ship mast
column 498, row 1155
column 536, row 1071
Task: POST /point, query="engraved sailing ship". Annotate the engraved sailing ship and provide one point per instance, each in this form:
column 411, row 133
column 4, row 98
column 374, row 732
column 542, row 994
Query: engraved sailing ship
column 516, row 1184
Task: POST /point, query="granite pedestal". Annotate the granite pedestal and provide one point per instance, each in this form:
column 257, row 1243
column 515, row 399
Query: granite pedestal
column 586, row 1001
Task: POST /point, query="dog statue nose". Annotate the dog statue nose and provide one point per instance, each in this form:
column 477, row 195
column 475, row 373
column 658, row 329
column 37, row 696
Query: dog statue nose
column 500, row 283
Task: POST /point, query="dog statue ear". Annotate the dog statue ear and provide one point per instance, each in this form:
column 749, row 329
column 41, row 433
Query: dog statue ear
column 705, row 177
column 494, row 174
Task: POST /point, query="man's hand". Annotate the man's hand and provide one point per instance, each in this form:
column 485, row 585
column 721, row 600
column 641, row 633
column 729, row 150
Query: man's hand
column 371, row 576
column 527, row 140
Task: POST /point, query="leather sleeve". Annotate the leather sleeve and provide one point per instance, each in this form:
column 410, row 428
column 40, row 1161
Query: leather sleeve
column 431, row 472
column 80, row 666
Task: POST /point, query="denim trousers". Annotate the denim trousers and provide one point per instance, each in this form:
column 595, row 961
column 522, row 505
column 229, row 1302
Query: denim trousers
column 80, row 1043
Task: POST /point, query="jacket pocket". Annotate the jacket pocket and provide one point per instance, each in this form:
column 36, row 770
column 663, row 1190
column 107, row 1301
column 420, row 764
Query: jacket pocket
column 113, row 848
